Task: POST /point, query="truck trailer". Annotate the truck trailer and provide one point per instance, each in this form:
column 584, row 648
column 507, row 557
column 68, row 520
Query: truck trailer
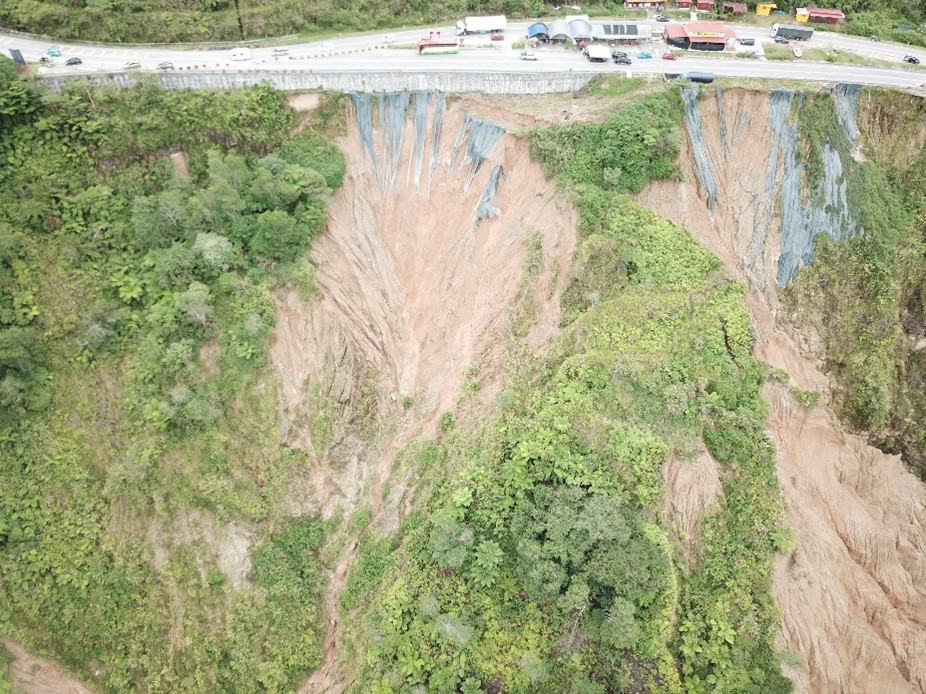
column 791, row 32
column 598, row 54
column 482, row 25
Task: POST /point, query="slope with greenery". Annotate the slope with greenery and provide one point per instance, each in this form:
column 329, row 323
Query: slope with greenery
column 232, row 20
column 126, row 21
column 867, row 296
column 536, row 560
column 121, row 443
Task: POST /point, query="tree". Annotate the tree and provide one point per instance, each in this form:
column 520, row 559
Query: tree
column 270, row 191
column 591, row 556
column 159, row 220
column 20, row 350
column 489, row 556
column 232, row 169
column 217, row 251
column 619, row 628
column 195, row 304
column 217, row 208
column 277, row 236
column 449, row 540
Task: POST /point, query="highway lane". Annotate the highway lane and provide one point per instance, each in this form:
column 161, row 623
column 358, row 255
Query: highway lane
column 356, row 53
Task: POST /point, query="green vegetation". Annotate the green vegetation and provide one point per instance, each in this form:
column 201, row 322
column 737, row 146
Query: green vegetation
column 866, row 296
column 536, row 560
column 6, row 659
column 128, row 452
column 232, row 20
column 622, row 153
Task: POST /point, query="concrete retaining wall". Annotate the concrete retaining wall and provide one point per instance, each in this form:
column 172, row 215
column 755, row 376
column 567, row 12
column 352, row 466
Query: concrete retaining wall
column 457, row 81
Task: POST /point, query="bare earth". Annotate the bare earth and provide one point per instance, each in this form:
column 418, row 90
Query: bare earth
column 32, row 674
column 853, row 593
column 415, row 297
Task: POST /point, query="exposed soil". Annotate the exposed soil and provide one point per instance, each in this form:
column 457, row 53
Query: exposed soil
column 179, row 162
column 304, row 104
column 692, row 488
column 853, row 593
column 33, row 674
column 415, row 296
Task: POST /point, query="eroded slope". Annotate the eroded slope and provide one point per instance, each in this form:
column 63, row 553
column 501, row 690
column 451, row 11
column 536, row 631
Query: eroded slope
column 852, row 594
column 438, row 243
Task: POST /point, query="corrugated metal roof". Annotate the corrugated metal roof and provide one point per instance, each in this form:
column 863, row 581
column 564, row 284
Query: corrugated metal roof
column 559, row 29
column 539, row 29
column 580, row 29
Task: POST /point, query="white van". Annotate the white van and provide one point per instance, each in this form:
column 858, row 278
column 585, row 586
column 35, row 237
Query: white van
column 241, row 54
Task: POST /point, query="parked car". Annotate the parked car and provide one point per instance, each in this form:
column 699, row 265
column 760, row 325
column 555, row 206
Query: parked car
column 798, row 53
column 45, row 59
column 623, row 60
column 132, row 65
column 165, row 66
column 389, row 38
column 644, row 55
column 618, row 54
column 781, row 39
column 54, row 52
column 497, row 37
column 662, row 18
column 747, row 42
column 325, row 47
column 282, row 50
column 73, row 61
column 528, row 55
column 669, row 56
column 912, row 59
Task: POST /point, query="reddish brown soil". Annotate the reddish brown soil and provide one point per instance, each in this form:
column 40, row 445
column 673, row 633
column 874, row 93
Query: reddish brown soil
column 415, row 296
column 853, row 592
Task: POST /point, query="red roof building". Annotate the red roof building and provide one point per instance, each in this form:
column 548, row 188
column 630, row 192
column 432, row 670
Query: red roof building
column 704, row 5
column 644, row 4
column 826, row 16
column 683, row 4
column 699, row 36
column 735, row 7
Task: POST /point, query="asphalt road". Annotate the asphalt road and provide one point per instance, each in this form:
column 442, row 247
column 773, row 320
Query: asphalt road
column 357, row 53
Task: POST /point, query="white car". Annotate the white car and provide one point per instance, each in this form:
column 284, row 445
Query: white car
column 389, row 38
column 325, row 47
column 281, row 51
column 797, row 51
column 528, row 55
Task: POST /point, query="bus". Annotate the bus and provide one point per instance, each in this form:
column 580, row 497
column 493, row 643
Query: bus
column 435, row 44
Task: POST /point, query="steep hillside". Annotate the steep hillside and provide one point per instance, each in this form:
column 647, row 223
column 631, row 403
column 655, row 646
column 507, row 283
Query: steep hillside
column 145, row 21
column 401, row 395
column 850, row 592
